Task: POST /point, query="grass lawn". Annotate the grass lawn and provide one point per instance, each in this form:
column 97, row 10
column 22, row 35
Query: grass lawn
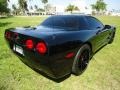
column 103, row 72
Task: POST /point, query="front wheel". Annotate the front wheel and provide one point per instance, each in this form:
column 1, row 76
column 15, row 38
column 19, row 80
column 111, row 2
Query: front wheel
column 81, row 60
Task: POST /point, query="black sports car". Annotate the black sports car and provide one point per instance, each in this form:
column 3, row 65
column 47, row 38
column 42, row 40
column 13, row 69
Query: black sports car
column 61, row 45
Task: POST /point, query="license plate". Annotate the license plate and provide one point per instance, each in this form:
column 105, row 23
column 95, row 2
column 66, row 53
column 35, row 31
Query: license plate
column 18, row 49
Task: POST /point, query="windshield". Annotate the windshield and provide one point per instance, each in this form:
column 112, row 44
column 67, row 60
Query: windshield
column 65, row 21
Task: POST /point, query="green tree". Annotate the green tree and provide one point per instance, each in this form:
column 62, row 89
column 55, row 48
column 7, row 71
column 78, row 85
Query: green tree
column 14, row 7
column 100, row 5
column 31, row 7
column 71, row 8
column 3, row 7
column 44, row 1
column 76, row 8
column 16, row 11
column 23, row 5
column 36, row 7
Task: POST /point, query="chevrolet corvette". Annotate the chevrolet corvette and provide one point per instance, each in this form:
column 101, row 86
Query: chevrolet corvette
column 60, row 45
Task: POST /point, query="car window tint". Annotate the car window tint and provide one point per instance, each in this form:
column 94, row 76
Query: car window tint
column 66, row 21
column 94, row 23
column 54, row 22
column 57, row 21
column 83, row 25
column 71, row 22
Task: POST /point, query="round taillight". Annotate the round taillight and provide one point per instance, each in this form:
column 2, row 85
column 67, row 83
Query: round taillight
column 29, row 44
column 41, row 48
column 8, row 35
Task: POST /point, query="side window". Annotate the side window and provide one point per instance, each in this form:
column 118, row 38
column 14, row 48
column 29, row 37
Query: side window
column 71, row 23
column 82, row 23
column 94, row 23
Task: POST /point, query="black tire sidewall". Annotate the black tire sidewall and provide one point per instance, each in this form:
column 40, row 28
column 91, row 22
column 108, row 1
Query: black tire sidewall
column 75, row 69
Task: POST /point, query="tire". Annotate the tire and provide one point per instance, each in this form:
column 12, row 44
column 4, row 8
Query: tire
column 81, row 60
column 112, row 38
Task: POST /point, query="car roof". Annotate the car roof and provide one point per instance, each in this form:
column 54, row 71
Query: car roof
column 70, row 16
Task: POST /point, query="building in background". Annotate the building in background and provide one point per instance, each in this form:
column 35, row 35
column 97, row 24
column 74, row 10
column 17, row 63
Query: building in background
column 81, row 4
column 50, row 9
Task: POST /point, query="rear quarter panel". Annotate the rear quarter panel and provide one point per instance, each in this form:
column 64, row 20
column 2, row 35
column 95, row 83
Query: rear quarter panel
column 72, row 40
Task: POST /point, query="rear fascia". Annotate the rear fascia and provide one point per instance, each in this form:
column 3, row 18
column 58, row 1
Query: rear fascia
column 54, row 65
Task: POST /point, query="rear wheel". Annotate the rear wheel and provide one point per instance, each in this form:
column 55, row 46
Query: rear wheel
column 81, row 60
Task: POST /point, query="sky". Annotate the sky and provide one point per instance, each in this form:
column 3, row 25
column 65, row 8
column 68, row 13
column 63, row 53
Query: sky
column 61, row 4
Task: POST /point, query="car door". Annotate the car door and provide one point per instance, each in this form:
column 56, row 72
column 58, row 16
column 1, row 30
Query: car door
column 101, row 34
column 106, row 33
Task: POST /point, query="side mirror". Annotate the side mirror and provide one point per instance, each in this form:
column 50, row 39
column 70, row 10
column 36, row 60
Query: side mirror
column 107, row 27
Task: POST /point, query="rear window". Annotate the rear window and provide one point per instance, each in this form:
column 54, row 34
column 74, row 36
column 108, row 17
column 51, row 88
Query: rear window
column 66, row 22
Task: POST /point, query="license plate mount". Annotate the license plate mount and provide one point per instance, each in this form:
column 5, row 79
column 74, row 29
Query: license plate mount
column 18, row 49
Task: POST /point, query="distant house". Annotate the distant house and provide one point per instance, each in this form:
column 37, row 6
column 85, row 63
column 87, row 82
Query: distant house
column 113, row 13
column 81, row 4
column 50, row 10
column 35, row 13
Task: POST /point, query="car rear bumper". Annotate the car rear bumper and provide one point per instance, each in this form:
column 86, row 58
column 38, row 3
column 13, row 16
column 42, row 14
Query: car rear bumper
column 55, row 66
column 50, row 66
